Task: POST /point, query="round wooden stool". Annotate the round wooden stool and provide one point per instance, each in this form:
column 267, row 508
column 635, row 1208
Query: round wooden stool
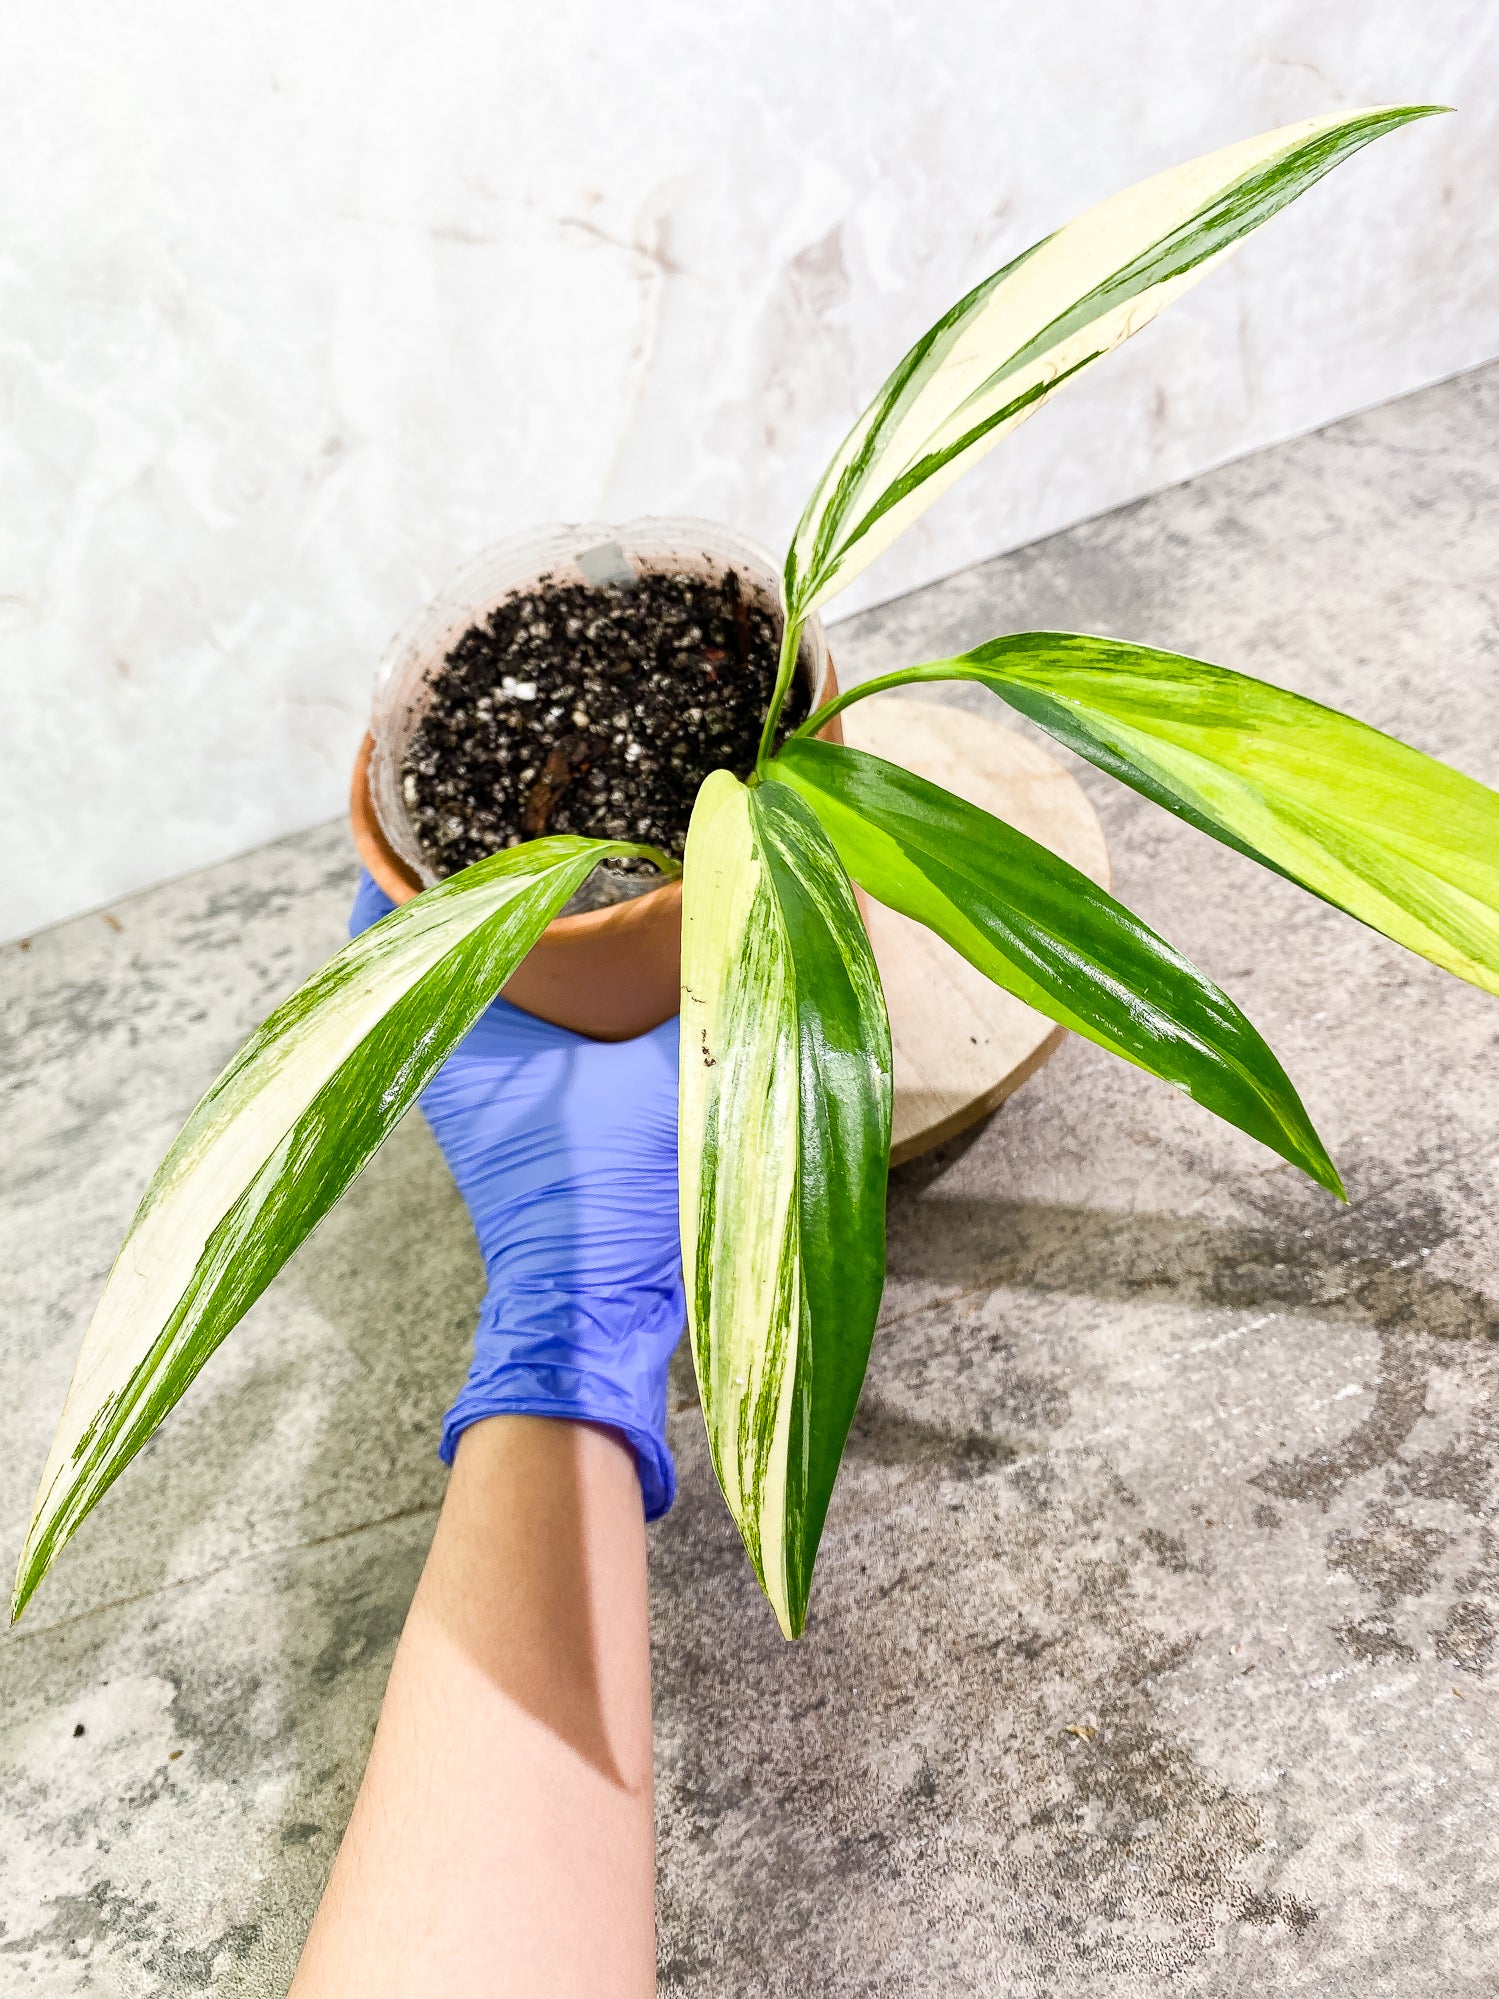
column 961, row 1044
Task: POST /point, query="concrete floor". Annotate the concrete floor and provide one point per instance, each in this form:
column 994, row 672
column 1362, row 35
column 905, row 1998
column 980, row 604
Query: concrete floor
column 1153, row 1644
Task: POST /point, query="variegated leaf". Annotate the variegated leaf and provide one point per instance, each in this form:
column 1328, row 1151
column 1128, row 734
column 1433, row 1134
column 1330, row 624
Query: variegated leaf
column 1404, row 843
column 295, row 1116
column 1000, row 352
column 785, row 1142
column 1055, row 939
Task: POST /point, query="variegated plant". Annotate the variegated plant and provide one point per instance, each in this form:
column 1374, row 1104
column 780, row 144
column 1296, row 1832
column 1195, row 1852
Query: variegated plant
column 785, row 1097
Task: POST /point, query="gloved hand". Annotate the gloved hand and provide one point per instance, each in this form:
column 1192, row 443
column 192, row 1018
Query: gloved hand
column 565, row 1150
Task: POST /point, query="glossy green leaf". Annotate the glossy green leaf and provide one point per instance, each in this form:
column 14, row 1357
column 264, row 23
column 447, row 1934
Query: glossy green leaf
column 295, row 1116
column 1002, row 351
column 785, row 1145
column 1404, row 843
column 1055, row 939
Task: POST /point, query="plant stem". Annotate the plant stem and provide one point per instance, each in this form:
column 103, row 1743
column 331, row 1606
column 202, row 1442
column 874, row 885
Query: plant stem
column 819, row 720
column 791, row 643
column 664, row 862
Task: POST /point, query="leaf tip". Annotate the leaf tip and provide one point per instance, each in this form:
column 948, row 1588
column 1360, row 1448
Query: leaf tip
column 790, row 1605
column 1319, row 1167
column 792, row 1620
column 1405, row 114
column 27, row 1577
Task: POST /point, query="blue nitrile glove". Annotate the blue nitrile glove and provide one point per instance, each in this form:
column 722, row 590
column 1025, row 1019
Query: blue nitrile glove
column 565, row 1150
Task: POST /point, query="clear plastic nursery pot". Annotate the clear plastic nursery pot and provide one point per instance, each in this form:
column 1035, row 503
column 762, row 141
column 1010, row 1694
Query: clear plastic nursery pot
column 610, row 972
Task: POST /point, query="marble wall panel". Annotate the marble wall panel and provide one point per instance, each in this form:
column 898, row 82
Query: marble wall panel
column 304, row 301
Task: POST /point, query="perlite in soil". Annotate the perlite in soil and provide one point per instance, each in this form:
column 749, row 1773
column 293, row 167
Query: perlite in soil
column 592, row 710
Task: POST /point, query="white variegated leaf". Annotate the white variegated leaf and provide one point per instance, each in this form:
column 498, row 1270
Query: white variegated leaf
column 292, row 1120
column 737, row 1169
column 1009, row 345
column 785, row 1140
column 1402, row 842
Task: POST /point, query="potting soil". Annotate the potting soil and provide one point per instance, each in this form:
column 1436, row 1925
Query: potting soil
column 598, row 711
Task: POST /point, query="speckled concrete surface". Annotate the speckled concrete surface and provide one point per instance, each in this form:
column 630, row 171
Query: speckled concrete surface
column 1153, row 1645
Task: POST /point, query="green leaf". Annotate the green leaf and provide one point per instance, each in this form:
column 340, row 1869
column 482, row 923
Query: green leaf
column 1048, row 934
column 294, row 1117
column 999, row 353
column 1404, row 843
column 785, row 1145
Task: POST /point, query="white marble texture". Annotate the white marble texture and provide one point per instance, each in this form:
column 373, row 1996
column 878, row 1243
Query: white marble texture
column 301, row 302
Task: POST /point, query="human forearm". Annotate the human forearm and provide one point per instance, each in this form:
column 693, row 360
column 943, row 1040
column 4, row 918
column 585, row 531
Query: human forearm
column 502, row 1839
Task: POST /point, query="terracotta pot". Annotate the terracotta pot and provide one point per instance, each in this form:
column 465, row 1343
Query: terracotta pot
column 609, row 973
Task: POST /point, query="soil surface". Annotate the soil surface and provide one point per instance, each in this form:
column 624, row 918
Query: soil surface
column 592, row 710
